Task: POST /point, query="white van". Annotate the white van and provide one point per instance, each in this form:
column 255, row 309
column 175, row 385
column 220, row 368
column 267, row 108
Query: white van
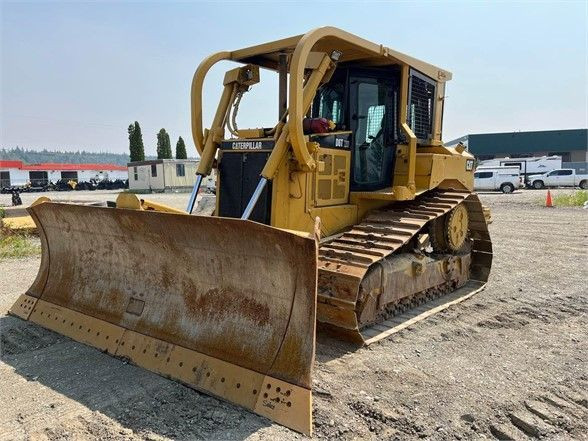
column 505, row 179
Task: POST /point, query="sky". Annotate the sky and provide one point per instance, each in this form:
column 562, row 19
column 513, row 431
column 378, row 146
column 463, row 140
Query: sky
column 75, row 75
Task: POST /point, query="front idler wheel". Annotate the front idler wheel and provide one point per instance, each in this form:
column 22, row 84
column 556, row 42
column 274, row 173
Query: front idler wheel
column 449, row 233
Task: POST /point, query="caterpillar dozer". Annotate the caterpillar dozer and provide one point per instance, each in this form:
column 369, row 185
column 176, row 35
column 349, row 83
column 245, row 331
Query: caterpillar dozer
column 348, row 212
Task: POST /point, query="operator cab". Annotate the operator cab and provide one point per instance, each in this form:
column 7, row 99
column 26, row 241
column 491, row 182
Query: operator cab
column 364, row 105
column 364, row 101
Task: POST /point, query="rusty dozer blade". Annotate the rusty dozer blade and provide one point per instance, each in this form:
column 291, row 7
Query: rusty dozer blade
column 224, row 305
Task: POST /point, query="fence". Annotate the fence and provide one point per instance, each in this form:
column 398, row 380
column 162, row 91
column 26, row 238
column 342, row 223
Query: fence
column 580, row 167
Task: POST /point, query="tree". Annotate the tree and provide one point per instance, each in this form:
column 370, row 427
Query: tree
column 181, row 149
column 163, row 145
column 132, row 149
column 168, row 149
column 137, row 151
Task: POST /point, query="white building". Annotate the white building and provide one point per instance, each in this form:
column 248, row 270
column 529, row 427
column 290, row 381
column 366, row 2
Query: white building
column 16, row 173
column 163, row 175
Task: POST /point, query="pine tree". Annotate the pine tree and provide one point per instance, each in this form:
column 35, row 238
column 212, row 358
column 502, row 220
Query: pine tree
column 163, row 145
column 168, row 149
column 139, row 142
column 181, row 149
column 132, row 150
column 137, row 150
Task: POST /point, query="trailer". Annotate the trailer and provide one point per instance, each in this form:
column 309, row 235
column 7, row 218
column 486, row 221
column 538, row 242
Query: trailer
column 527, row 166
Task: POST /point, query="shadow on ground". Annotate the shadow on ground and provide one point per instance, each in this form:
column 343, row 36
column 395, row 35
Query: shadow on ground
column 136, row 398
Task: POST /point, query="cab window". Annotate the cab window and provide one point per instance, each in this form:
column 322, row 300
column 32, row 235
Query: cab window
column 331, row 103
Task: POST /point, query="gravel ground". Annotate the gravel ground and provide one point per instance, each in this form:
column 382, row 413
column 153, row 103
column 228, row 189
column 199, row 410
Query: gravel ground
column 511, row 362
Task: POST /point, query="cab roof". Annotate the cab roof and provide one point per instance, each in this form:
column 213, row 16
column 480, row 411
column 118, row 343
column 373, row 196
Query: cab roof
column 354, row 50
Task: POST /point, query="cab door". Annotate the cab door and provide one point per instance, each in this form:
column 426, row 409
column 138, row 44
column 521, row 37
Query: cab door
column 373, row 112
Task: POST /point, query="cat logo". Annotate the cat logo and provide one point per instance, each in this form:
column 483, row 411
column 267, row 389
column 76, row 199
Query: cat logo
column 469, row 165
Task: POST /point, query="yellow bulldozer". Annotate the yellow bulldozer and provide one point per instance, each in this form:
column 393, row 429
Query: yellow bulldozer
column 348, row 212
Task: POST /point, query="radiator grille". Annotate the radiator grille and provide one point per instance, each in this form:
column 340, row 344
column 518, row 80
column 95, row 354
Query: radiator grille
column 421, row 105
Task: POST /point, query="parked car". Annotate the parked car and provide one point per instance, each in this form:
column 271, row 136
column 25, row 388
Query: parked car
column 563, row 177
column 505, row 179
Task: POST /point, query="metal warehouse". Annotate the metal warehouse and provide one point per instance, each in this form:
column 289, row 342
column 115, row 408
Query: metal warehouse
column 571, row 145
column 17, row 174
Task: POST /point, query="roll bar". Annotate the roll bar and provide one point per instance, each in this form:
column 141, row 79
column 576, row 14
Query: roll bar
column 325, row 40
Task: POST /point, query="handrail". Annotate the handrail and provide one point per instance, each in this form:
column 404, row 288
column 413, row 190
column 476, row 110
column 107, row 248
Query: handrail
column 412, row 147
column 196, row 96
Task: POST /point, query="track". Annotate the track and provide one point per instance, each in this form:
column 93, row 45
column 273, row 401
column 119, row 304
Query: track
column 356, row 271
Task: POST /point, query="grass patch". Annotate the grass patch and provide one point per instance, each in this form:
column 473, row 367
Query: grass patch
column 13, row 246
column 575, row 199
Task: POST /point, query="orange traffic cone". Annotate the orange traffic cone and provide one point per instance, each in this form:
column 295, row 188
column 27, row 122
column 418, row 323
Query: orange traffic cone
column 548, row 201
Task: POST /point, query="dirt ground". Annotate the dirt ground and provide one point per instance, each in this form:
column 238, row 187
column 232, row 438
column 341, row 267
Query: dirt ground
column 509, row 363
